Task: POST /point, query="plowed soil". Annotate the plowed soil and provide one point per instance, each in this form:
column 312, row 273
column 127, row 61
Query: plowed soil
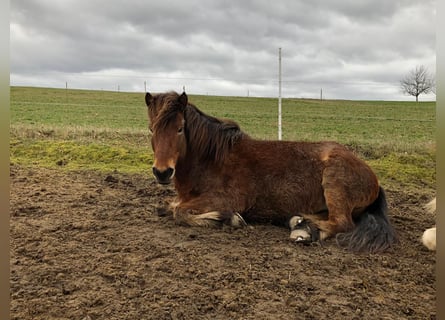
column 87, row 245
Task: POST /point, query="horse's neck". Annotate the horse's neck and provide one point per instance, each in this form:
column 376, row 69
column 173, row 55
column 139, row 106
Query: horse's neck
column 187, row 175
column 183, row 171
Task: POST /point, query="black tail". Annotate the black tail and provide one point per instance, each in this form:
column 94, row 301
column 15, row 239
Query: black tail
column 373, row 231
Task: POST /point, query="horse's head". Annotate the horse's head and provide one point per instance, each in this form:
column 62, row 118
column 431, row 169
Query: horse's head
column 166, row 123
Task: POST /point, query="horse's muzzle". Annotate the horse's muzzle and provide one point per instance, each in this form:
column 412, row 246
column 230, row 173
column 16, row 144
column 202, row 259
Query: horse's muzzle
column 165, row 176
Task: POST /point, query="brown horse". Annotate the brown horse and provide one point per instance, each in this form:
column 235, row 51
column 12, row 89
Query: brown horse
column 222, row 175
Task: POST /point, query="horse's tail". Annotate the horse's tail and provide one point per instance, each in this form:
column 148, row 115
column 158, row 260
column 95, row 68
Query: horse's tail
column 373, row 232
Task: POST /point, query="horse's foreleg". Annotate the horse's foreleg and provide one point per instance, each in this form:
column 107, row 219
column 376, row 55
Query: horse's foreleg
column 188, row 214
column 210, row 219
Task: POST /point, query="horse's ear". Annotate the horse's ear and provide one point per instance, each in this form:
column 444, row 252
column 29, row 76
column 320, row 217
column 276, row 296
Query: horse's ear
column 148, row 98
column 183, row 100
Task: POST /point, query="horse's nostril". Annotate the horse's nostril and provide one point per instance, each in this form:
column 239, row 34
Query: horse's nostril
column 163, row 176
column 169, row 172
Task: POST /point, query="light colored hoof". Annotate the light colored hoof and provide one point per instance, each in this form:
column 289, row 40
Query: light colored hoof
column 300, row 230
column 300, row 235
column 237, row 221
column 295, row 221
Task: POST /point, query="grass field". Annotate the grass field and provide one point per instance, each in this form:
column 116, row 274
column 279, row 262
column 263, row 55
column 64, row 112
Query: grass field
column 100, row 130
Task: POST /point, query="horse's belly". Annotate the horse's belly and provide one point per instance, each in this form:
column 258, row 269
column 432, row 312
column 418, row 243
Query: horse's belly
column 291, row 198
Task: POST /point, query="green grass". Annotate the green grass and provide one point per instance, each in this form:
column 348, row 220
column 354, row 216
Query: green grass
column 77, row 108
column 77, row 155
column 80, row 129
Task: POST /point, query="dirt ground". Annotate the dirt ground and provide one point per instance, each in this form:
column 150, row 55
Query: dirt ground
column 88, row 246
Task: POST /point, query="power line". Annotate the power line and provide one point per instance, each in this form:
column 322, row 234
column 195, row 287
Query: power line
column 236, row 79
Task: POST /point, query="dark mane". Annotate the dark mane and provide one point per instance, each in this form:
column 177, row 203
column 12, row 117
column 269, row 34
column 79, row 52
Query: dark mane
column 210, row 138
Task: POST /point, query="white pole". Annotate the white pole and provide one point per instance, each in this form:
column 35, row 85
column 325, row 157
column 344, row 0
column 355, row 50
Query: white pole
column 279, row 94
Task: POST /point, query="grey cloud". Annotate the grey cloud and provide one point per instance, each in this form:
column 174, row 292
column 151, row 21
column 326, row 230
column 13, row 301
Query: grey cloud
column 322, row 41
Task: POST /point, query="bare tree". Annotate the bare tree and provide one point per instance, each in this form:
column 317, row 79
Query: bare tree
column 418, row 81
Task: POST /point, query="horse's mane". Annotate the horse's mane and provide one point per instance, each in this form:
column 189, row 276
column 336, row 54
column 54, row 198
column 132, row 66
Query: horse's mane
column 210, row 138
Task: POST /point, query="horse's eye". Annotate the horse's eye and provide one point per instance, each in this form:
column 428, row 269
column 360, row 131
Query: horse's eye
column 180, row 130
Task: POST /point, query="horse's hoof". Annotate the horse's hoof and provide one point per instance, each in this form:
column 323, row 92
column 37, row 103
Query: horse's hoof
column 237, row 221
column 301, row 230
column 295, row 221
column 301, row 236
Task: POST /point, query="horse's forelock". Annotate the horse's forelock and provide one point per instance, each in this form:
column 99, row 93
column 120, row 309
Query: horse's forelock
column 165, row 108
column 208, row 138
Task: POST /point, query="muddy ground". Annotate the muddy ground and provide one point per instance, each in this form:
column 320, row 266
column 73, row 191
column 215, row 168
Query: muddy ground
column 86, row 245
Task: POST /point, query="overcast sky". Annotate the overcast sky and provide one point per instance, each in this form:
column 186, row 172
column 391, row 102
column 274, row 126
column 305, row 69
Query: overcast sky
column 356, row 49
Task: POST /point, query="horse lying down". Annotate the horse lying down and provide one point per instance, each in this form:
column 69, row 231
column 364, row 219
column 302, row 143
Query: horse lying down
column 429, row 235
column 222, row 175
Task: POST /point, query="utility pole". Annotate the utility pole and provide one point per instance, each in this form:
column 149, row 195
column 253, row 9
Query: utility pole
column 321, row 94
column 145, row 86
column 279, row 94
